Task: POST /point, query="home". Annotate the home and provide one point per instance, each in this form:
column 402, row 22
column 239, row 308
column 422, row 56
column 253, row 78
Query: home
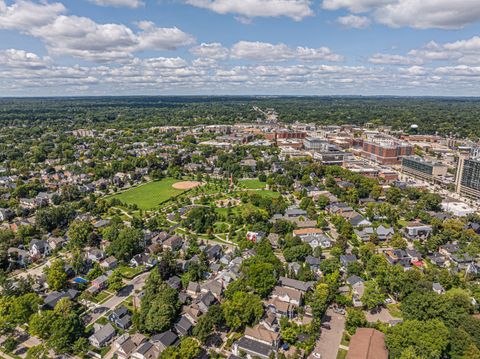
column 121, row 317
column 288, row 295
column 251, row 348
column 146, row 350
column 398, row 256
column 345, row 259
column 173, row 243
column 214, row 252
column 367, row 343
column 314, row 232
column 295, row 212
column 438, row 288
column 384, row 233
column 262, row 335
column 358, row 288
column 95, row 255
column 164, row 340
column 55, row 243
column 313, row 262
column 100, row 282
column 126, row 344
column 54, row 297
column 448, row 249
column 183, row 326
column 296, row 284
column 39, row 248
column 418, row 231
column 205, row 301
column 102, row 335
column 139, row 260
column 18, row 256
column 255, row 237
column 193, row 289
column 109, row 263
column 174, row 282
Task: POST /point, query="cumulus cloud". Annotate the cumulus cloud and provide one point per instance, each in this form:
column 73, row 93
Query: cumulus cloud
column 213, row 50
column 388, row 59
column 24, row 15
column 354, row 21
column 294, row 9
column 263, row 51
column 425, row 14
column 14, row 58
column 83, row 38
column 119, row 3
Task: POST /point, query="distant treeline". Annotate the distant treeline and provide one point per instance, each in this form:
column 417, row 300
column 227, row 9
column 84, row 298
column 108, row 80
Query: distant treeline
column 445, row 116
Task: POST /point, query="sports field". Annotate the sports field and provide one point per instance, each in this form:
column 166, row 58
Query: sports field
column 150, row 195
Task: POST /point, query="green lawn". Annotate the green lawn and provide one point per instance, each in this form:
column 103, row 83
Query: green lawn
column 252, row 184
column 151, row 195
column 267, row 193
column 342, row 354
column 129, row 272
column 394, row 310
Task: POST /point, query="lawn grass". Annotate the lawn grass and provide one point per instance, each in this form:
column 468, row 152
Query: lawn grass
column 345, row 339
column 394, row 310
column 252, row 184
column 149, row 196
column 342, row 354
column 267, row 193
column 129, row 272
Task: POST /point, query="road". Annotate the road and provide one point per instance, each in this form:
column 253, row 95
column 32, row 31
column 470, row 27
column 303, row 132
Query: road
column 136, row 284
column 328, row 343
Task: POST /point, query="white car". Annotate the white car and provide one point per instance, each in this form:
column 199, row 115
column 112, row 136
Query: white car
column 317, row 355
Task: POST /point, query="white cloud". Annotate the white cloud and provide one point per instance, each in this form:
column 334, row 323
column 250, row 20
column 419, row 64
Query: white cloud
column 462, row 51
column 295, row 9
column 388, row 59
column 119, row 3
column 23, row 15
column 213, row 50
column 353, row 21
column 14, row 58
column 419, row 14
column 356, row 6
column 263, row 51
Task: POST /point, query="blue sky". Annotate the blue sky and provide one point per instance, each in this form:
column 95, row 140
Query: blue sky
column 294, row 47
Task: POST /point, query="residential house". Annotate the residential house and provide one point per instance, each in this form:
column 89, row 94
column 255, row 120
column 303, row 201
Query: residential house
column 164, row 340
column 183, row 326
column 296, row 284
column 121, row 317
column 438, row 288
column 102, row 335
column 346, row 259
column 39, row 248
column 255, row 237
column 95, row 255
column 126, row 344
column 100, row 282
column 367, row 343
column 146, row 350
column 109, row 263
column 398, row 256
column 173, row 243
column 418, row 231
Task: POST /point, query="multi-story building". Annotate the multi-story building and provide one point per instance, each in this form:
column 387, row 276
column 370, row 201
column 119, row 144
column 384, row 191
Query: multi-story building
column 316, row 144
column 386, row 151
column 467, row 181
column 420, row 168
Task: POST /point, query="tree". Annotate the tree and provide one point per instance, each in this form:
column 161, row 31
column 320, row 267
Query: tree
column 260, row 277
column 159, row 305
column 189, row 348
column 37, row 352
column 127, row 244
column 355, row 319
column 372, row 296
column 393, row 195
column 57, row 278
column 242, row 310
column 115, row 281
column 428, row 338
column 79, row 234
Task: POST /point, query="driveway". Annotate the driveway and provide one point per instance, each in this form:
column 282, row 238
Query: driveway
column 131, row 287
column 330, row 339
column 382, row 315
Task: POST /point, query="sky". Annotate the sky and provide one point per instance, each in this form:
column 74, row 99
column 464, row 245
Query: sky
column 239, row 47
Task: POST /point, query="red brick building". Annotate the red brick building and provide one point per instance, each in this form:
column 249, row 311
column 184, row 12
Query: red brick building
column 386, row 151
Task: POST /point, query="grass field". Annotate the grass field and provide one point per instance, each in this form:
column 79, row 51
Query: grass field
column 252, row 184
column 267, row 193
column 150, row 195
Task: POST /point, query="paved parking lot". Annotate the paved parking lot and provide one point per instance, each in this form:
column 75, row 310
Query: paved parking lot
column 330, row 339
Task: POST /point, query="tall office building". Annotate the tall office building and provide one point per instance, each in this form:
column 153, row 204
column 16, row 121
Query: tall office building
column 467, row 181
column 386, row 151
